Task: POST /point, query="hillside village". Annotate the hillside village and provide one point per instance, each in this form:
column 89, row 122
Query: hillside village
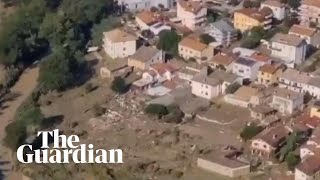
column 257, row 56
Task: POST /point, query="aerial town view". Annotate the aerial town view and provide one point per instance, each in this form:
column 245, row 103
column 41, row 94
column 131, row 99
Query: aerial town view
column 160, row 89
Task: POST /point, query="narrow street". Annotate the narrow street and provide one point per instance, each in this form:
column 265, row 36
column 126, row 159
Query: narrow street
column 24, row 87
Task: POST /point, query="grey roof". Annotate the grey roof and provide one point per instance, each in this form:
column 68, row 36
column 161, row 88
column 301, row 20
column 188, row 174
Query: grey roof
column 287, row 94
column 245, row 61
column 204, row 79
column 288, row 39
column 224, row 26
column 144, row 53
column 224, row 76
column 314, row 82
column 294, row 75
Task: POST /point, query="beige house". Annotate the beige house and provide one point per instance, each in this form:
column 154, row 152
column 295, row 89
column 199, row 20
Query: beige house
column 119, row 44
column 308, row 169
column 309, row 11
column 226, row 162
column 191, row 13
column 144, row 57
column 192, row 48
column 222, row 62
column 268, row 143
column 307, row 33
column 269, row 73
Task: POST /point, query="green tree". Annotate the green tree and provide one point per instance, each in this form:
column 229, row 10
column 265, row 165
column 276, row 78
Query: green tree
column 15, row 135
column 294, row 3
column 106, row 24
column 292, row 160
column 175, row 114
column 249, row 131
column 168, row 41
column 119, row 85
column 252, row 38
column 157, row 110
column 291, row 144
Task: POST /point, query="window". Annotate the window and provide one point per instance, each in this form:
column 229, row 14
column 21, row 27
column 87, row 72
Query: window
column 265, row 146
column 207, row 87
column 206, row 93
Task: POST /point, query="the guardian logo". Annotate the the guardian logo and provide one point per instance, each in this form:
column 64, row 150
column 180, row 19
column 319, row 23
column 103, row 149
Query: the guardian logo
column 65, row 149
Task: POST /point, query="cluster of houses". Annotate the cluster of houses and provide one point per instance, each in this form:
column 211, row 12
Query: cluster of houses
column 266, row 83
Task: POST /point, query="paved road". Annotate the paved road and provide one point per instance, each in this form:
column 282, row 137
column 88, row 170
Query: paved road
column 24, row 87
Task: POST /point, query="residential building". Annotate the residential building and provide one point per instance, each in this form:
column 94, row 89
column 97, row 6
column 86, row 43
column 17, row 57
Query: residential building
column 291, row 49
column 136, row 5
column 310, row 35
column 263, row 96
column 309, row 11
column 144, row 57
column 227, row 162
column 246, row 68
column 268, row 143
column 247, row 18
column 308, row 169
column 260, row 58
column 245, row 52
column 223, row 32
column 111, row 69
column 300, row 82
column 222, row 62
column 192, row 48
column 260, row 112
column 146, row 18
column 156, row 75
column 269, row 74
column 214, row 84
column 241, row 97
column 312, row 146
column 119, row 44
column 191, row 13
column 278, row 9
column 191, row 69
column 287, row 101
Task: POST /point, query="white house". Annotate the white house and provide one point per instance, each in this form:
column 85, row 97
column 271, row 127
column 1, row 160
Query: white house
column 278, row 9
column 300, row 82
column 291, row 49
column 214, row 84
column 223, row 32
column 119, row 44
column 287, row 101
column 306, row 33
column 246, row 68
column 191, row 13
column 136, row 5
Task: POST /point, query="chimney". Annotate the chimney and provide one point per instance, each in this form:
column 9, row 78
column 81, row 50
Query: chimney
column 288, row 95
column 274, row 136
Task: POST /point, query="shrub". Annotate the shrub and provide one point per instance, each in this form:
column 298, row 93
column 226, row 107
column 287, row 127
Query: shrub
column 175, row 115
column 15, row 135
column 119, row 85
column 292, row 160
column 250, row 131
column 156, row 109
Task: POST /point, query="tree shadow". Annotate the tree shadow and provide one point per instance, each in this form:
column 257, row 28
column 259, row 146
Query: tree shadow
column 52, row 121
column 86, row 73
column 11, row 96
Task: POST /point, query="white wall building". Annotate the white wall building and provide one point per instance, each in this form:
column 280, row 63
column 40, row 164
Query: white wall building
column 191, row 13
column 309, row 11
column 246, row 68
column 135, row 5
column 289, row 48
column 223, row 32
column 278, row 9
column 119, row 44
column 287, row 101
column 308, row 169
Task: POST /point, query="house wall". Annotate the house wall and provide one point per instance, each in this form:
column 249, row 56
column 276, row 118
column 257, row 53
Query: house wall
column 157, row 58
column 299, row 175
column 223, row 170
column 309, row 14
column 119, row 49
column 278, row 12
column 204, row 90
column 305, row 152
column 268, row 78
column 287, row 106
column 243, row 22
column 187, row 53
column 142, row 25
column 315, row 111
column 207, row 52
column 223, row 38
column 250, row 72
column 136, row 5
column 231, row 99
column 261, row 145
column 190, row 19
column 289, row 54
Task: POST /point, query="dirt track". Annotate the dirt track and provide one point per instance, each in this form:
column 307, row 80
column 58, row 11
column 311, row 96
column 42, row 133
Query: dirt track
column 24, row 87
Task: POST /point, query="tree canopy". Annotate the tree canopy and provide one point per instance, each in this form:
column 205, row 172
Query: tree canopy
column 168, row 41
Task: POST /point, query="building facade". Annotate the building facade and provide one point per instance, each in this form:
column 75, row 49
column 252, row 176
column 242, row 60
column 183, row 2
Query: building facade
column 192, row 48
column 144, row 57
column 119, row 44
column 269, row 74
column 278, row 9
column 223, row 32
column 191, row 13
column 309, row 11
column 287, row 101
column 246, row 68
column 136, row 5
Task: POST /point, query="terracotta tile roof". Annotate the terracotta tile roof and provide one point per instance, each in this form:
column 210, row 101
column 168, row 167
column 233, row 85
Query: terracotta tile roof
column 273, row 136
column 161, row 68
column 311, row 3
column 222, row 59
column 147, row 17
column 170, row 84
column 191, row 6
column 302, row 30
column 274, row 3
column 260, row 57
column 119, row 35
column 312, row 122
column 193, row 44
column 269, row 68
column 288, row 39
column 259, row 15
column 310, row 166
column 287, row 94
